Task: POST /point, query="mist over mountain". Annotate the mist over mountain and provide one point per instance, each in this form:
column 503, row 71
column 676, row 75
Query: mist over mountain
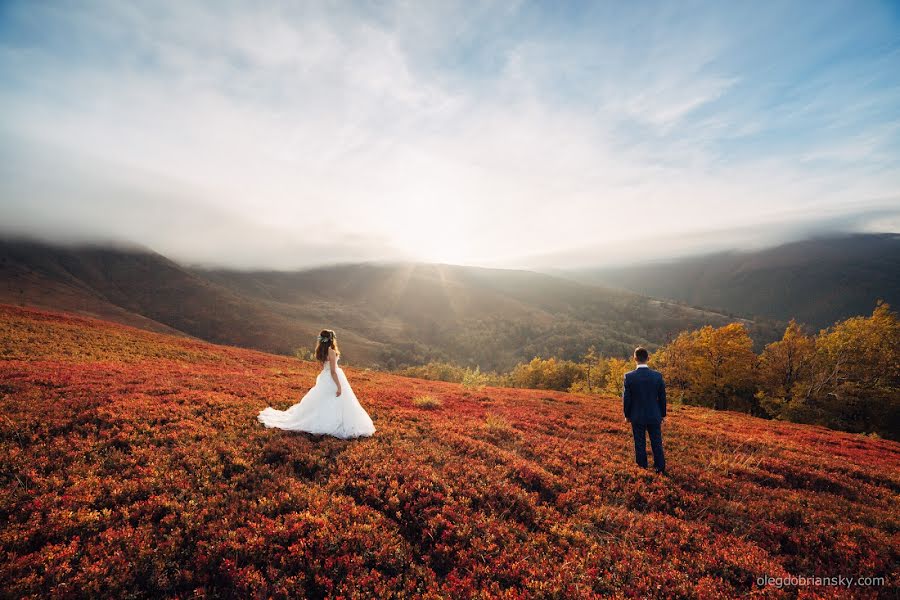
column 817, row 281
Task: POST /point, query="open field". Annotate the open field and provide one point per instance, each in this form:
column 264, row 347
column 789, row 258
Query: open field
column 132, row 465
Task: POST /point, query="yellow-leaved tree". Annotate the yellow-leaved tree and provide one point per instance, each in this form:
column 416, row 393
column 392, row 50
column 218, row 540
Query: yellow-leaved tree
column 600, row 375
column 785, row 373
column 614, row 379
column 713, row 367
column 856, row 379
column 546, row 374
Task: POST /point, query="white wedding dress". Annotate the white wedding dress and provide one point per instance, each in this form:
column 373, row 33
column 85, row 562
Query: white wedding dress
column 321, row 412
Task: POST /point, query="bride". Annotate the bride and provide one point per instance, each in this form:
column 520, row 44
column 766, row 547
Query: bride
column 330, row 407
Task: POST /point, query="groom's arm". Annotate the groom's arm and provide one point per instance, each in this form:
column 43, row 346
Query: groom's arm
column 661, row 397
column 626, row 398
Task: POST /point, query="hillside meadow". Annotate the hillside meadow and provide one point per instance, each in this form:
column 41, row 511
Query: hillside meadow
column 132, row 465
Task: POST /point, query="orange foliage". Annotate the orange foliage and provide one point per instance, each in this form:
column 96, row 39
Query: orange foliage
column 785, row 370
column 545, row 374
column 856, row 374
column 711, row 366
column 133, row 465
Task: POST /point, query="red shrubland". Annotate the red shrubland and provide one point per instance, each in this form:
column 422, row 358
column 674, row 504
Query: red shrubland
column 133, row 464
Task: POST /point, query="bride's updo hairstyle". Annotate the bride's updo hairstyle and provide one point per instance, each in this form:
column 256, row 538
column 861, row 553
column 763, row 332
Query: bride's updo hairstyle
column 327, row 340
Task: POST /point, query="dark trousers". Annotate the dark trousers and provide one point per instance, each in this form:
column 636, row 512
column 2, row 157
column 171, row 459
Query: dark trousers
column 640, row 432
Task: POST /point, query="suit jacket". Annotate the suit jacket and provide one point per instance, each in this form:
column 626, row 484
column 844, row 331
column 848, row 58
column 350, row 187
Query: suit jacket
column 644, row 396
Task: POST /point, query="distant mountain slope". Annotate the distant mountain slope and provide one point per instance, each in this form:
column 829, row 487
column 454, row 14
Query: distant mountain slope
column 490, row 317
column 134, row 467
column 140, row 288
column 817, row 281
column 387, row 315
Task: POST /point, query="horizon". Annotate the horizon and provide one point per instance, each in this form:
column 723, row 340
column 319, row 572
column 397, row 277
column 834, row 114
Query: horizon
column 549, row 269
column 501, row 136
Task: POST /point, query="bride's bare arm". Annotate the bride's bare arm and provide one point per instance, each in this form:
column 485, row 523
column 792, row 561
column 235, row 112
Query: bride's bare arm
column 332, row 361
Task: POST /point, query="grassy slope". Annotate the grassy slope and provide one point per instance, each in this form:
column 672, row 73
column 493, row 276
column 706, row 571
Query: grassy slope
column 132, row 463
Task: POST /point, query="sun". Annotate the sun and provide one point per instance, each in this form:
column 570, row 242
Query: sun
column 437, row 239
column 439, row 250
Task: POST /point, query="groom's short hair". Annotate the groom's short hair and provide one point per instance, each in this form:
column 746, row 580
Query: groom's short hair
column 641, row 354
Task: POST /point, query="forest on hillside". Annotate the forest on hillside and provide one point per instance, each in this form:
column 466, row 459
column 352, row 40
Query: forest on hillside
column 845, row 377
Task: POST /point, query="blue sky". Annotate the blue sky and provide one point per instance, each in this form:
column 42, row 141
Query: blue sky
column 497, row 133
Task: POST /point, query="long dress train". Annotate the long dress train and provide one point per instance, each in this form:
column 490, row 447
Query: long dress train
column 321, row 412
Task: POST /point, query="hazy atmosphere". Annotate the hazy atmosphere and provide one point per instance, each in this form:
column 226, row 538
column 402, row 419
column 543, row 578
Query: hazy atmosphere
column 289, row 135
column 384, row 299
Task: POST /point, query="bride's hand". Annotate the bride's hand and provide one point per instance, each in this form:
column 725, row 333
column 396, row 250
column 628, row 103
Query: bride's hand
column 338, row 392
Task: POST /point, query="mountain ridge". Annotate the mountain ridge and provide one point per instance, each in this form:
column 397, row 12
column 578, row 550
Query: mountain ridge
column 387, row 315
column 817, row 281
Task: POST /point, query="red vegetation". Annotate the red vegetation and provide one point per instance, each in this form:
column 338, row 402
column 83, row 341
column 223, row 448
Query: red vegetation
column 133, row 465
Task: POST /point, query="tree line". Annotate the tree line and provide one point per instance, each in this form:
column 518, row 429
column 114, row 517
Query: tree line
column 845, row 377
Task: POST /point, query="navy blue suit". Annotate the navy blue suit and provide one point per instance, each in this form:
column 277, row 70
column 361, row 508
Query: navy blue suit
column 644, row 400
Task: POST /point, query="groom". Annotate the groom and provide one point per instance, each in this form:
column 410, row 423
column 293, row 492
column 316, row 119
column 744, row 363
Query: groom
column 644, row 396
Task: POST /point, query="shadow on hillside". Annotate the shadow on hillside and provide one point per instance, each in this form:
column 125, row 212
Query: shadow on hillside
column 304, row 455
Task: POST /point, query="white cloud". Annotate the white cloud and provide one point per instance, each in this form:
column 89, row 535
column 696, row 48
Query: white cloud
column 449, row 132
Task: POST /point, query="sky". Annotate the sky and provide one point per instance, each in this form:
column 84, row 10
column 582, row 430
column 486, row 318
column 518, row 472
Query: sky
column 522, row 134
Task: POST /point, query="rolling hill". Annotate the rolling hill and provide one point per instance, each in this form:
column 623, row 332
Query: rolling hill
column 817, row 281
column 387, row 315
column 136, row 287
column 133, row 466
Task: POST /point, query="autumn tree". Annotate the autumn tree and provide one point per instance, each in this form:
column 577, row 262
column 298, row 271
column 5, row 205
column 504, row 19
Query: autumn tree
column 785, row 372
column 546, row 374
column 439, row 371
column 614, row 378
column 593, row 365
column 673, row 361
column 601, row 375
column 713, row 367
column 856, row 380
